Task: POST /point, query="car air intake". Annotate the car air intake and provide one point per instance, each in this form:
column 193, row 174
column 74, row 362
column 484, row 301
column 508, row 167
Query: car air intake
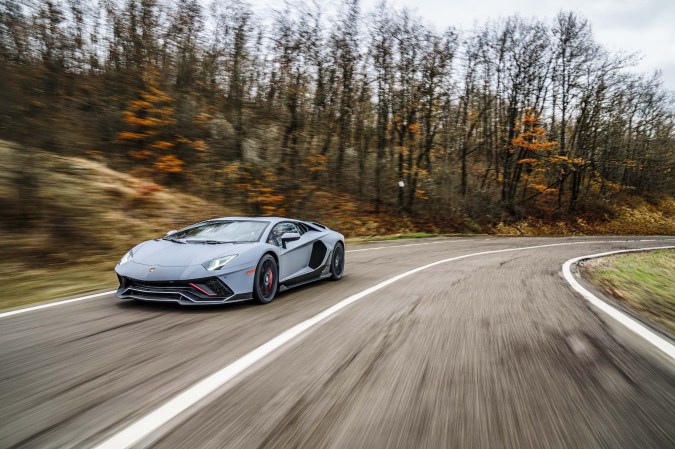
column 218, row 287
column 318, row 253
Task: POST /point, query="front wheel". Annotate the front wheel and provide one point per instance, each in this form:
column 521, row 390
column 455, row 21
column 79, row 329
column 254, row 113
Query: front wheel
column 266, row 280
column 337, row 266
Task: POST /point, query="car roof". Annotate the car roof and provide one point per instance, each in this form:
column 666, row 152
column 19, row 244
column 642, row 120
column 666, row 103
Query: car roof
column 268, row 219
column 272, row 220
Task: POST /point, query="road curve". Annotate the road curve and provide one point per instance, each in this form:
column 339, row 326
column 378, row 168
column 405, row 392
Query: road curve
column 494, row 350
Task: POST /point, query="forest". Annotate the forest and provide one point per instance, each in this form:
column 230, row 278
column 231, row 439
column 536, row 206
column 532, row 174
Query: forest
column 370, row 119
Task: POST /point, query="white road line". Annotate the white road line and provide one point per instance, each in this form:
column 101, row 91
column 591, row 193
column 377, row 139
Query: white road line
column 630, row 323
column 54, row 304
column 399, row 246
column 151, row 422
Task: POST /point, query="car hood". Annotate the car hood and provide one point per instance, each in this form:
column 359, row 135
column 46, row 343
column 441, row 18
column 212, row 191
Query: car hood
column 164, row 253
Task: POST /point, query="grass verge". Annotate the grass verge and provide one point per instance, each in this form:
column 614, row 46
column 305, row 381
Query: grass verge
column 378, row 238
column 409, row 235
column 35, row 285
column 643, row 281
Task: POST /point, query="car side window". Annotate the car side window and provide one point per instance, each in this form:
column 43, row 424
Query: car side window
column 279, row 230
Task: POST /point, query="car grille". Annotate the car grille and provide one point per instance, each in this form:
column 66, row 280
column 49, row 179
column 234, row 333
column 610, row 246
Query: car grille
column 197, row 290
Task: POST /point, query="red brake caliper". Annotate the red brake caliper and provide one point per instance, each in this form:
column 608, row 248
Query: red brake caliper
column 269, row 279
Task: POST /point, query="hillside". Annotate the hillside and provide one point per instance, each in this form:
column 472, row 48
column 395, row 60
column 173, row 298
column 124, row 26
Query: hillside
column 66, row 221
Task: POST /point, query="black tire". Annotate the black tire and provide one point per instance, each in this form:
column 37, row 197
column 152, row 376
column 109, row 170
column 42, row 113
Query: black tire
column 266, row 280
column 337, row 263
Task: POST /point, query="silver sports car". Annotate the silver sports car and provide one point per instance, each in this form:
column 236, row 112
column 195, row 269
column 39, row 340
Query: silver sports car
column 231, row 259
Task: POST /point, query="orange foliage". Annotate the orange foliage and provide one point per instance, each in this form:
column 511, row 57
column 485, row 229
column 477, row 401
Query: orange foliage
column 421, row 194
column 140, row 155
column 132, row 120
column 162, row 145
column 202, row 118
column 259, row 185
column 138, row 105
column 148, row 119
column 129, row 135
column 532, row 136
column 169, row 164
column 316, row 162
column 536, row 154
column 199, row 145
column 542, row 188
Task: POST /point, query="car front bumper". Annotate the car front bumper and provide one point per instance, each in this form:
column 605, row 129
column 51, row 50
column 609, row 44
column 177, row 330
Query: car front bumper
column 184, row 285
column 193, row 292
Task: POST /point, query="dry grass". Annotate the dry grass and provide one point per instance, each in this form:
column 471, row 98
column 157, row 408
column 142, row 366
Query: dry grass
column 636, row 218
column 644, row 281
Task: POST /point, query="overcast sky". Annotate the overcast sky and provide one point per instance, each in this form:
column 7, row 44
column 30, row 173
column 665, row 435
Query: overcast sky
column 643, row 26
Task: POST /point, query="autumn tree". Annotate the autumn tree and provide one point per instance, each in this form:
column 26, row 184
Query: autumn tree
column 381, row 54
column 346, row 55
column 535, row 161
column 149, row 130
column 574, row 51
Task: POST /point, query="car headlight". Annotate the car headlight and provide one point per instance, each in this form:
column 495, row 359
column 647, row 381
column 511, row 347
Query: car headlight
column 218, row 263
column 126, row 258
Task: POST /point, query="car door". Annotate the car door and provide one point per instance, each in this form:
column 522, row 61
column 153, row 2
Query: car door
column 294, row 258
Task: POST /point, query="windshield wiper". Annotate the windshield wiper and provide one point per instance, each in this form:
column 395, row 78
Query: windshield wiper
column 208, row 242
column 172, row 240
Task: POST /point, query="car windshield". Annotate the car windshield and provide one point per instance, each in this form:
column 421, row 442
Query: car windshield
column 221, row 232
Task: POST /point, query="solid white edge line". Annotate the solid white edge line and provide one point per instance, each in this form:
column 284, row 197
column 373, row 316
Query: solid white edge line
column 630, row 323
column 54, row 304
column 80, row 298
column 152, row 421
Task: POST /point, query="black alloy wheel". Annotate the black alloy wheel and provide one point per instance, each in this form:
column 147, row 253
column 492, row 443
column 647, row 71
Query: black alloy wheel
column 266, row 280
column 337, row 266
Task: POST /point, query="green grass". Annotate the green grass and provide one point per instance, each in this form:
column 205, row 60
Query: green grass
column 644, row 281
column 28, row 286
column 409, row 235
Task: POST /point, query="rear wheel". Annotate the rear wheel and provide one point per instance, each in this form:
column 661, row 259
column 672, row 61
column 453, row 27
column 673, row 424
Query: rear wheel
column 337, row 265
column 266, row 280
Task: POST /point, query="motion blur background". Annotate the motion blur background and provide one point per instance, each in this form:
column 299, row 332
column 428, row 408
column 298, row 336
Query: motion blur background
column 122, row 119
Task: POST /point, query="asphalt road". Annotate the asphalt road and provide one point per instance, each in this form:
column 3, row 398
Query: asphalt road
column 490, row 351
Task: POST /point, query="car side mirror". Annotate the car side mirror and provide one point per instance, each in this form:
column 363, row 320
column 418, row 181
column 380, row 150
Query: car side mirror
column 289, row 237
column 172, row 232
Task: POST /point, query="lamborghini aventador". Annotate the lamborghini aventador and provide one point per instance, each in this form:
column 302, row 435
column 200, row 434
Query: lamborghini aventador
column 231, row 259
